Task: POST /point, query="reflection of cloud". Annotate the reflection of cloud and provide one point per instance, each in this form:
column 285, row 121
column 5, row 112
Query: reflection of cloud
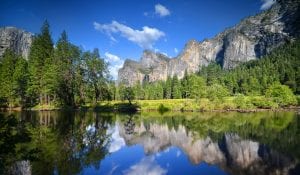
column 117, row 142
column 113, row 169
column 145, row 166
column 178, row 153
column 90, row 129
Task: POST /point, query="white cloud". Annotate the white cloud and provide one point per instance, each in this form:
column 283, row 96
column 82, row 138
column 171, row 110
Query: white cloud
column 111, row 57
column 178, row 153
column 176, row 50
column 145, row 38
column 145, row 166
column 267, row 4
column 117, row 141
column 115, row 63
column 161, row 10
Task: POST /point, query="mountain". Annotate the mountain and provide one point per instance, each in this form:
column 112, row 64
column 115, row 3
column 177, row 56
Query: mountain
column 252, row 38
column 15, row 39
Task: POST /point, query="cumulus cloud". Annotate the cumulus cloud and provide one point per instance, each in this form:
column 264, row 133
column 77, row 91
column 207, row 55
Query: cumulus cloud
column 115, row 63
column 117, row 141
column 145, row 166
column 161, row 10
column 145, row 38
column 111, row 57
column 267, row 4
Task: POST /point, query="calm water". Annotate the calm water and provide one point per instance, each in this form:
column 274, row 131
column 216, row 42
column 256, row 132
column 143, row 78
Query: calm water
column 150, row 143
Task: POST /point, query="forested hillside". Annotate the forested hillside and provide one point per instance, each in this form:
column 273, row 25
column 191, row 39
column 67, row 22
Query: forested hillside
column 280, row 68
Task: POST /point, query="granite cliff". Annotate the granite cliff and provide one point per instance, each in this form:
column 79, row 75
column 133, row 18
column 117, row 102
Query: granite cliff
column 252, row 38
column 15, row 39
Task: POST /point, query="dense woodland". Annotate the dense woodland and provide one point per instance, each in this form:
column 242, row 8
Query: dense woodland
column 61, row 74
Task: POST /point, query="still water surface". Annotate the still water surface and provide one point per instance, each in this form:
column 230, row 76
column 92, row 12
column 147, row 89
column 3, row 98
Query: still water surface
column 149, row 143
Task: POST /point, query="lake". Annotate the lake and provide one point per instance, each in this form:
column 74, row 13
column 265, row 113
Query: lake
column 59, row 142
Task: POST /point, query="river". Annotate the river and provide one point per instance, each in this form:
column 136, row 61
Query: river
column 64, row 142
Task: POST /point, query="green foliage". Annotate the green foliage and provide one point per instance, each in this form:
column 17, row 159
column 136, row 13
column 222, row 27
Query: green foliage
column 176, row 88
column 41, row 49
column 197, row 87
column 217, row 92
column 242, row 102
column 281, row 94
column 162, row 109
column 168, row 88
column 127, row 93
column 60, row 76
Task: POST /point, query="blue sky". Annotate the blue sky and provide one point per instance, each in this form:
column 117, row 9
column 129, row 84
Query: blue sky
column 124, row 28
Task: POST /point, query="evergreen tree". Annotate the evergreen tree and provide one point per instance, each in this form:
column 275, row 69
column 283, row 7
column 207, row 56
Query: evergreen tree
column 7, row 90
column 186, row 91
column 20, row 80
column 168, row 88
column 176, row 88
column 41, row 49
column 66, row 54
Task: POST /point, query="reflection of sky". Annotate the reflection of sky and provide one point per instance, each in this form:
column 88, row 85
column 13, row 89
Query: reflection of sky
column 117, row 142
column 147, row 165
column 132, row 160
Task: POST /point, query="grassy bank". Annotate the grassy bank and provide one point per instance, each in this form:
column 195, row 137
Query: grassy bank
column 236, row 103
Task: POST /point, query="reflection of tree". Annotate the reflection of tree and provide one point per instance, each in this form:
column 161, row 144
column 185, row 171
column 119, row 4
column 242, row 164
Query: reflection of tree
column 129, row 125
column 66, row 141
column 13, row 136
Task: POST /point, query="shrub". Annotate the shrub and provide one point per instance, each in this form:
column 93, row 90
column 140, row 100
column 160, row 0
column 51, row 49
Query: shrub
column 263, row 102
column 281, row 94
column 162, row 109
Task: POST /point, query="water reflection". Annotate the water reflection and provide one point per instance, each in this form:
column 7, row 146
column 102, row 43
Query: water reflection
column 175, row 143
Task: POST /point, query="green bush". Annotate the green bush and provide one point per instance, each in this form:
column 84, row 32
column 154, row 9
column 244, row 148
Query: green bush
column 242, row 102
column 162, row 109
column 281, row 94
column 263, row 102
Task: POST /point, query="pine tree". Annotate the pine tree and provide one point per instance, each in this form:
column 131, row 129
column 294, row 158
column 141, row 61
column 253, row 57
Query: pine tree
column 20, row 80
column 8, row 64
column 176, row 88
column 168, row 88
column 66, row 54
column 41, row 49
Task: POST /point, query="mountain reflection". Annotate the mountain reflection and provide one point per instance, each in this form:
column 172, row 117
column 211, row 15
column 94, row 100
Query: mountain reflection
column 73, row 142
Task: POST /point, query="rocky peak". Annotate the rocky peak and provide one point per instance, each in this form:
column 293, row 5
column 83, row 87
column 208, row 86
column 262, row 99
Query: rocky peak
column 252, row 38
column 152, row 59
column 15, row 39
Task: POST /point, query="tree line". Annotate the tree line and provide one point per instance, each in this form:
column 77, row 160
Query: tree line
column 58, row 75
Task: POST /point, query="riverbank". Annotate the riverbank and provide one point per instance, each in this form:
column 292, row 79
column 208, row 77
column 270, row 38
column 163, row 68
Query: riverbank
column 247, row 104
column 239, row 104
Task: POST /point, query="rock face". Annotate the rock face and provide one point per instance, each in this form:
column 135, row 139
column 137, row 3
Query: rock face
column 15, row 39
column 252, row 38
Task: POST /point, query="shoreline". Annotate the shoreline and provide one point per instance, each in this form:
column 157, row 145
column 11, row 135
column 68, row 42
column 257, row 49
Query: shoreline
column 290, row 108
